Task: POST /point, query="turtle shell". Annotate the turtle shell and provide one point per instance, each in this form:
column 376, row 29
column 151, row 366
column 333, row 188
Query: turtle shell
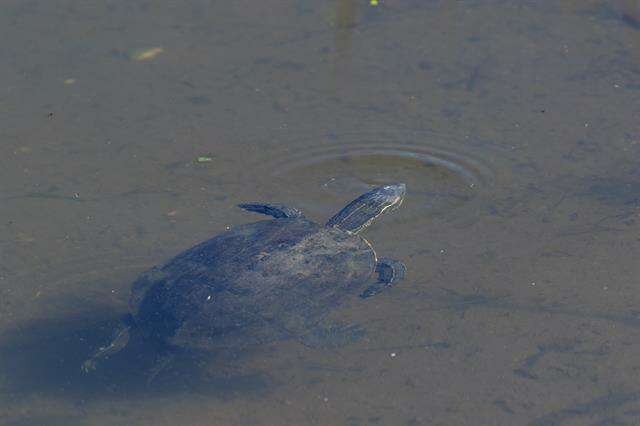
column 258, row 282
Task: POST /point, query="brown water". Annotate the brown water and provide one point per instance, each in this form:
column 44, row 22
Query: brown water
column 130, row 130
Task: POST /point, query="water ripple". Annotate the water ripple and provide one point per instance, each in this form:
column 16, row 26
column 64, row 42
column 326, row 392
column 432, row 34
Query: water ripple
column 438, row 180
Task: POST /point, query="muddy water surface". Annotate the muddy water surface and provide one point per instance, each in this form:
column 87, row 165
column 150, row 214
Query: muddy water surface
column 130, row 130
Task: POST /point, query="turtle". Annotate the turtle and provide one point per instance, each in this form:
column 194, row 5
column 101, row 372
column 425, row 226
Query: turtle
column 264, row 281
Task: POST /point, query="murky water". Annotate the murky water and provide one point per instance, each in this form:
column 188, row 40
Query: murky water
column 130, row 130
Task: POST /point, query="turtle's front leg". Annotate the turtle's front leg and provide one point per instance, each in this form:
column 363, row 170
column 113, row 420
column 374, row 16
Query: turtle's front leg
column 389, row 272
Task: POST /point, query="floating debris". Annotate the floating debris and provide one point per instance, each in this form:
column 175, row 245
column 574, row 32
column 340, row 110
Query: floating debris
column 147, row 54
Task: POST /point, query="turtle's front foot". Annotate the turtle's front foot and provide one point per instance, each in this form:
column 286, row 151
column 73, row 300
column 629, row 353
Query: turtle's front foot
column 389, row 272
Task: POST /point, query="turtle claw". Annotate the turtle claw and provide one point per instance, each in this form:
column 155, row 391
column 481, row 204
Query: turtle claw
column 389, row 272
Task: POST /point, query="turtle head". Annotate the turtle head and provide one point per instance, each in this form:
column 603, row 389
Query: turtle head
column 359, row 213
column 392, row 195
